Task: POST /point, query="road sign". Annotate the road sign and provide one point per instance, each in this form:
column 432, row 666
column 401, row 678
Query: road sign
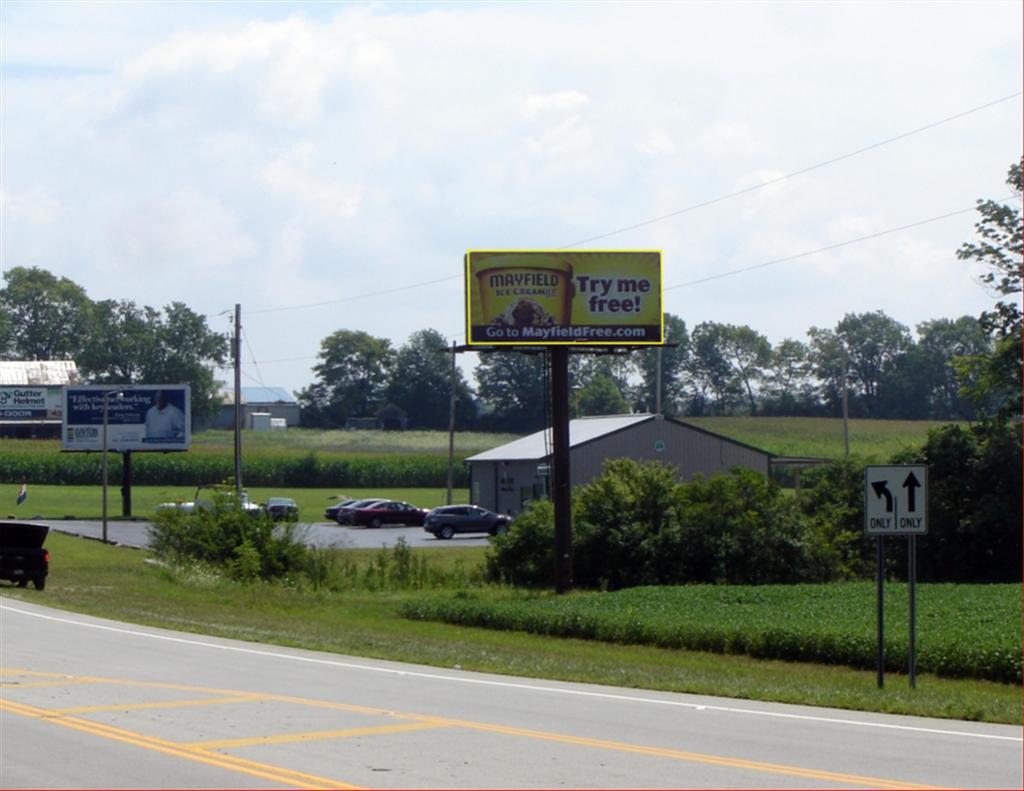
column 896, row 500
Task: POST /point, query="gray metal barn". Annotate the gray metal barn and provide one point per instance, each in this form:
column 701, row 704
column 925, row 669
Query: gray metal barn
column 505, row 478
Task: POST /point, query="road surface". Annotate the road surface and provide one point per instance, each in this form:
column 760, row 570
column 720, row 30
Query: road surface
column 88, row 703
column 319, row 534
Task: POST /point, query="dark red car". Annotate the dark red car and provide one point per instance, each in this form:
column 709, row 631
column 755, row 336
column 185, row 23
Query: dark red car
column 386, row 512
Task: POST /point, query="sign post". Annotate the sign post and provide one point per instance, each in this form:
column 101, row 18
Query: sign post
column 556, row 299
column 896, row 504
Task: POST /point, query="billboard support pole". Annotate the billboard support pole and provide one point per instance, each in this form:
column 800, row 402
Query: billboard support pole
column 126, row 483
column 561, row 494
column 236, row 353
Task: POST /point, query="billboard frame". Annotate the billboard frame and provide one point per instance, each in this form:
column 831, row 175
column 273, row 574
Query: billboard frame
column 82, row 420
column 557, row 277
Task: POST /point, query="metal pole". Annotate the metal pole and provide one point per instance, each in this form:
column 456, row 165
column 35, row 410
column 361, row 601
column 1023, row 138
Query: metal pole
column 912, row 577
column 126, row 483
column 236, row 349
column 880, row 659
column 451, row 427
column 106, row 399
column 657, row 379
column 561, row 494
column 846, row 407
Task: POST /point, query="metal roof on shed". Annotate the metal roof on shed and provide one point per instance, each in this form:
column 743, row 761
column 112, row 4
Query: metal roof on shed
column 581, row 430
column 38, row 372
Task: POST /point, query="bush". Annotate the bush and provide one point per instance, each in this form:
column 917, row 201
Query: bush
column 636, row 525
column 525, row 555
column 249, row 546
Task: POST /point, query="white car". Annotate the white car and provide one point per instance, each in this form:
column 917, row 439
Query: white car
column 188, row 507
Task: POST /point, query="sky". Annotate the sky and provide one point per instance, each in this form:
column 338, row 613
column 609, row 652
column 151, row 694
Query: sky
column 327, row 165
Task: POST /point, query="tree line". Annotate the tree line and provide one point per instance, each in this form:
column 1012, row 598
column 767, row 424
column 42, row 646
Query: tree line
column 945, row 369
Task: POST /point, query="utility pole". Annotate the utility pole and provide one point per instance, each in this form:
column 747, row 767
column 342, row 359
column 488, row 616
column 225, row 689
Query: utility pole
column 561, row 478
column 236, row 352
column 846, row 408
column 451, row 427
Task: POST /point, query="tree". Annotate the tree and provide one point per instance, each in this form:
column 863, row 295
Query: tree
column 120, row 340
column 1000, row 249
column 353, row 373
column 511, row 385
column 749, row 353
column 940, row 342
column 600, row 396
column 420, row 382
column 713, row 386
column 674, row 361
column 787, row 381
column 864, row 348
column 994, row 381
column 45, row 317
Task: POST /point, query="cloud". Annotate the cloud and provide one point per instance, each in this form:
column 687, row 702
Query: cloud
column 559, row 102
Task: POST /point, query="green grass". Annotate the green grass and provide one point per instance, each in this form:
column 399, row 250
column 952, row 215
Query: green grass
column 86, row 502
column 113, row 582
column 871, row 440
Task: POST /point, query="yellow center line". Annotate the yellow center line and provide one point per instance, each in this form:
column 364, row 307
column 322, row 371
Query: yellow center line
column 681, row 755
column 314, row 735
column 434, row 721
column 165, row 704
column 269, row 772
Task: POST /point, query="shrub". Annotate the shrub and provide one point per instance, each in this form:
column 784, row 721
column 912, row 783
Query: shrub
column 249, row 546
column 525, row 555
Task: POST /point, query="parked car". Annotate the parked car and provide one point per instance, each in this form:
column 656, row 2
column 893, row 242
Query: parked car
column 198, row 503
column 331, row 511
column 447, row 520
column 282, row 508
column 386, row 512
column 22, row 557
column 343, row 515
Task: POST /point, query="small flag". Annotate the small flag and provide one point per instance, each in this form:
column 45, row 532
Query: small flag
column 22, row 492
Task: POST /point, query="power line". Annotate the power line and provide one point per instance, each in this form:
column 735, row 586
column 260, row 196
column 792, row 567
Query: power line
column 679, row 212
column 824, row 249
column 800, row 172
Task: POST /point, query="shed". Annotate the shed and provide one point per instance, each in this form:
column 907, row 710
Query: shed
column 31, row 396
column 274, row 401
column 505, row 478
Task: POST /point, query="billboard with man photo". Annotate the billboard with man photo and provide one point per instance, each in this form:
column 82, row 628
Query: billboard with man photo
column 139, row 417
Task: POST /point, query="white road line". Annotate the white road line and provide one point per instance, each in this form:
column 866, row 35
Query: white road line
column 510, row 684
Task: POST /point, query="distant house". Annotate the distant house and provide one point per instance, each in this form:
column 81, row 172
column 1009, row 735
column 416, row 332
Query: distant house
column 31, row 396
column 505, row 478
column 258, row 401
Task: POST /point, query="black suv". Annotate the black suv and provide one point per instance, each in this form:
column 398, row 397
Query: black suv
column 447, row 520
column 22, row 557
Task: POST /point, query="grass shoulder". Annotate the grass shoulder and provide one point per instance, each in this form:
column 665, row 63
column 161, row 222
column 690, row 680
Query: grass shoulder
column 118, row 583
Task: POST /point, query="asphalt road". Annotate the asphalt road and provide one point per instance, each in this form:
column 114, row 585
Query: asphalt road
column 320, row 534
column 88, row 703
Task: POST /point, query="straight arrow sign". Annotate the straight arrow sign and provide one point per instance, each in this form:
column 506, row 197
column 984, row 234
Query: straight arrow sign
column 911, row 484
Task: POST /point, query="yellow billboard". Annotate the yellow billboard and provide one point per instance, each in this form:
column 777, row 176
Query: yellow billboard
column 545, row 297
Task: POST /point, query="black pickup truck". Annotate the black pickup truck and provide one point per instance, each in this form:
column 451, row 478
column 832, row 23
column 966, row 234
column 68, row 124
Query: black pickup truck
column 22, row 557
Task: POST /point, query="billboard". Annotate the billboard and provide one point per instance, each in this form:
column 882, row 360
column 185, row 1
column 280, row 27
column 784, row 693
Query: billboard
column 552, row 297
column 139, row 417
column 30, row 403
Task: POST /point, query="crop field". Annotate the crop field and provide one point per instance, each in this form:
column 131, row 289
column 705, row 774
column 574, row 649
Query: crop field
column 964, row 631
column 871, row 440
